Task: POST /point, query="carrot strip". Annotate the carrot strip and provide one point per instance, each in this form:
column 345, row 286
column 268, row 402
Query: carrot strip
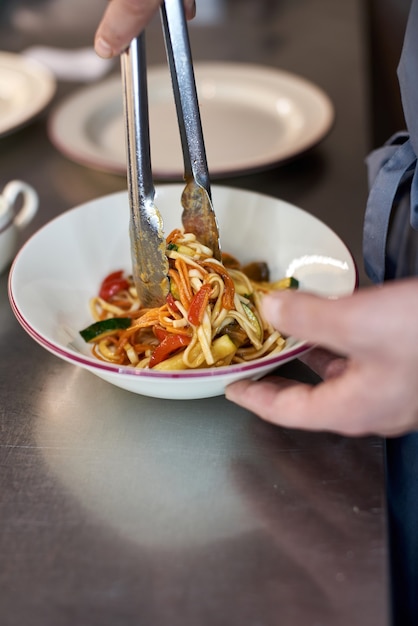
column 173, row 236
column 172, row 330
column 175, row 276
column 149, row 318
column 183, row 271
column 141, row 348
column 164, row 316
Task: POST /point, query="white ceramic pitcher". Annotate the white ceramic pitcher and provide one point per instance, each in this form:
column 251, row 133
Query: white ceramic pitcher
column 18, row 204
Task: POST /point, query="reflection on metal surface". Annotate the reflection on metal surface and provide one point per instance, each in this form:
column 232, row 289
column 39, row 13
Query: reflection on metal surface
column 159, row 473
column 247, row 509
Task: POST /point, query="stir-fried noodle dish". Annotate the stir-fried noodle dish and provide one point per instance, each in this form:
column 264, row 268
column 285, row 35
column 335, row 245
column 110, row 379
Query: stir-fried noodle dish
column 211, row 316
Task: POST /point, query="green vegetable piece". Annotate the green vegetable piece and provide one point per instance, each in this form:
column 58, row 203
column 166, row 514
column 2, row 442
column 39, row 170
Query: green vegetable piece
column 104, row 326
column 293, row 283
column 285, row 283
column 253, row 320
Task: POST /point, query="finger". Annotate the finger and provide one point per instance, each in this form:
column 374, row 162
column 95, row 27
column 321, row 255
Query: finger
column 324, row 363
column 356, row 324
column 310, row 318
column 125, row 19
column 190, row 9
column 340, row 405
column 122, row 21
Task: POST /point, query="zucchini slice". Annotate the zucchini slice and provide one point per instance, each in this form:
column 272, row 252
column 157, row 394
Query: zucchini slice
column 103, row 327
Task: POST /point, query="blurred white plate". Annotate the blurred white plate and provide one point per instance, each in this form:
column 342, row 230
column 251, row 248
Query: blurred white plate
column 253, row 117
column 26, row 87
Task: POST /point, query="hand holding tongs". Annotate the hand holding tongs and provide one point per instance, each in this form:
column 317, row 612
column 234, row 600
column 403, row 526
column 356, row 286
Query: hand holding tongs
column 150, row 264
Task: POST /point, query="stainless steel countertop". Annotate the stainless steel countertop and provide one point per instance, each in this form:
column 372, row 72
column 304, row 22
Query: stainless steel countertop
column 117, row 509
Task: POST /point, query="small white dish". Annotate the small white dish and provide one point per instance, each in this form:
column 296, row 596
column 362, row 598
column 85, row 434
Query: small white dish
column 60, row 268
column 18, row 205
column 253, row 117
column 26, row 88
column 71, row 64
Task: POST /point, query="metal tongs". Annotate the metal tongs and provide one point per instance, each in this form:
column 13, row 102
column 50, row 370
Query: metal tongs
column 149, row 261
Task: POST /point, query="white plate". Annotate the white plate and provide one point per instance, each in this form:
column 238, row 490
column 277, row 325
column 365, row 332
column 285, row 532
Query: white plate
column 60, row 268
column 26, row 87
column 253, row 117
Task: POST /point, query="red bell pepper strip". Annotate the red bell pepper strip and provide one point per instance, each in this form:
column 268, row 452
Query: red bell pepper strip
column 160, row 332
column 198, row 304
column 171, row 302
column 112, row 284
column 169, row 344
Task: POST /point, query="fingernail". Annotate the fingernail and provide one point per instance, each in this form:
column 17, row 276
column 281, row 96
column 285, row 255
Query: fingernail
column 103, row 49
column 191, row 9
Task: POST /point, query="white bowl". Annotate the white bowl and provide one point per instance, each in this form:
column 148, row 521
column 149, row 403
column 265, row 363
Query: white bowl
column 60, row 268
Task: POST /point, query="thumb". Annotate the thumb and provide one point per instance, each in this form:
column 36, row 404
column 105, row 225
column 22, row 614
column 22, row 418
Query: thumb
column 332, row 324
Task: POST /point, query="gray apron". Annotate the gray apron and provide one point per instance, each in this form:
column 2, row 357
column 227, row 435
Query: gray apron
column 390, row 246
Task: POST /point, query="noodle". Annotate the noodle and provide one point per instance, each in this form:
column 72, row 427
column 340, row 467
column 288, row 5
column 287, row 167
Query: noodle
column 211, row 316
